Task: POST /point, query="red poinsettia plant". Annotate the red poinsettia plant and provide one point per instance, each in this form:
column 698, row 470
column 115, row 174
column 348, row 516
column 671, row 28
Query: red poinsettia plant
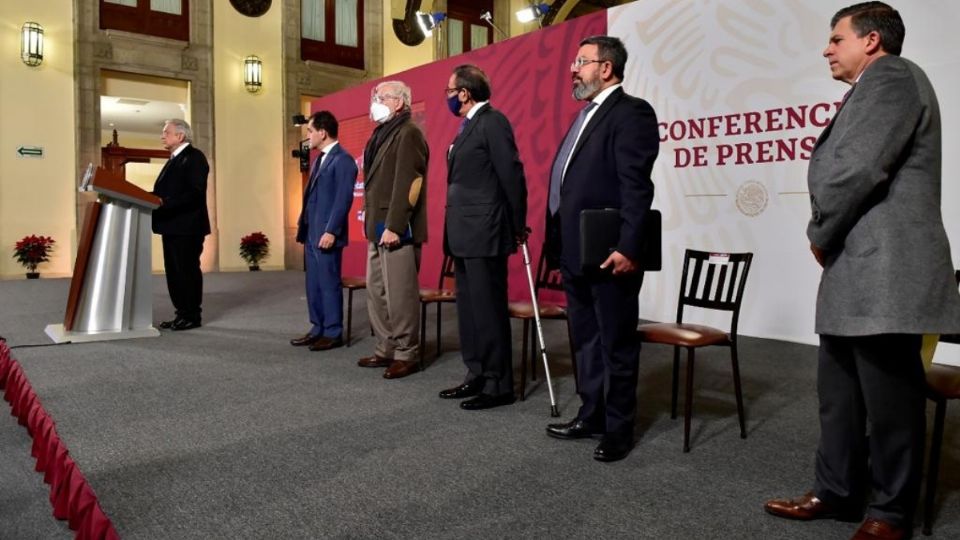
column 254, row 248
column 33, row 250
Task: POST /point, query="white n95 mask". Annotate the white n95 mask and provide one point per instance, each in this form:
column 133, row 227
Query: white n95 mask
column 379, row 112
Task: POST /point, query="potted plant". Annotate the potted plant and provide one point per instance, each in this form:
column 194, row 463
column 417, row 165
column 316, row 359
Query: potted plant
column 31, row 251
column 254, row 248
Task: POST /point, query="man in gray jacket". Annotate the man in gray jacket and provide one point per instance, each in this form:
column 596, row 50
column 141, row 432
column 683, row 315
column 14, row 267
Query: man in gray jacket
column 877, row 231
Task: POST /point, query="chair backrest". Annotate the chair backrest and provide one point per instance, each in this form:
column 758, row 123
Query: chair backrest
column 446, row 272
column 547, row 278
column 714, row 281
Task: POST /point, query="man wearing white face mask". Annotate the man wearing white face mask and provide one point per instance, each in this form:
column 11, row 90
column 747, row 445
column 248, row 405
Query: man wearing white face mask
column 395, row 173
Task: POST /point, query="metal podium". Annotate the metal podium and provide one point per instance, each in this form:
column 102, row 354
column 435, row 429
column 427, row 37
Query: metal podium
column 111, row 293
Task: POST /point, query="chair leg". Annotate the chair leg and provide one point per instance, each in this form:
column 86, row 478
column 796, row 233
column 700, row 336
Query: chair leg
column 676, row 382
column 688, row 410
column 523, row 362
column 439, row 304
column 349, row 313
column 737, row 391
column 933, row 469
column 423, row 331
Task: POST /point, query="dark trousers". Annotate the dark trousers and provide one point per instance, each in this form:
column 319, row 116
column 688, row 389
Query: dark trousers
column 484, row 322
column 324, row 290
column 872, row 392
column 181, row 261
column 603, row 312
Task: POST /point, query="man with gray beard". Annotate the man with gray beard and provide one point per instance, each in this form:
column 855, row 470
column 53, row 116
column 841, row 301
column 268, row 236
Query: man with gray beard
column 604, row 162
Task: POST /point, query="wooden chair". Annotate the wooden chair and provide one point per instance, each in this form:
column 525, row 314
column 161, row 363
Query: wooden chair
column 443, row 294
column 943, row 384
column 711, row 281
column 545, row 279
column 352, row 283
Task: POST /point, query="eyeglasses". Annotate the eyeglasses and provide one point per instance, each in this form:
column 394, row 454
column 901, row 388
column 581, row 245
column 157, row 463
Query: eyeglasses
column 381, row 99
column 580, row 62
column 452, row 90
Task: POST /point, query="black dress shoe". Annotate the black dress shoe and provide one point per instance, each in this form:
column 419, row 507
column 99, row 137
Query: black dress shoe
column 465, row 390
column 185, row 324
column 167, row 325
column 613, row 448
column 306, row 339
column 485, row 401
column 575, row 429
column 326, row 343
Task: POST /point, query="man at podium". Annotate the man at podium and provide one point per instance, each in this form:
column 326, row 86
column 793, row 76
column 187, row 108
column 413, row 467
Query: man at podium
column 182, row 222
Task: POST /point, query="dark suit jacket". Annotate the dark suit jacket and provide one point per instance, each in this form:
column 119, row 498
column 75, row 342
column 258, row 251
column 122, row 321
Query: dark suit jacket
column 609, row 168
column 395, row 187
column 874, row 182
column 486, row 191
column 182, row 185
column 327, row 199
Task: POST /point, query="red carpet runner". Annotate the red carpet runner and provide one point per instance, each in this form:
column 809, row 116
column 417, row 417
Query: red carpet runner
column 70, row 494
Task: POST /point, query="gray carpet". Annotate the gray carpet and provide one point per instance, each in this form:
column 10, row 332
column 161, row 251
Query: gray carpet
column 228, row 432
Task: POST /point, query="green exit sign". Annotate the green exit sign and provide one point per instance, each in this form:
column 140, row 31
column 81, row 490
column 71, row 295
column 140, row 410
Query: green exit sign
column 30, row 152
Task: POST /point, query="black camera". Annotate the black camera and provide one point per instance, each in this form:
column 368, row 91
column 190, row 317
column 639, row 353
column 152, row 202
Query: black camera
column 303, row 154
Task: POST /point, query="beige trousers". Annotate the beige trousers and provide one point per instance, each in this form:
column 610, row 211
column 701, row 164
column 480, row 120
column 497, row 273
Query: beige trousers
column 393, row 300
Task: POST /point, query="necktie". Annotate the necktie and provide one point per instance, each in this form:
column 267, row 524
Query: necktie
column 315, row 172
column 463, row 125
column 556, row 174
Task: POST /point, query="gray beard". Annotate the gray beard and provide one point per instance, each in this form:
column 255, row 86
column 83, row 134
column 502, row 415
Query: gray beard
column 583, row 90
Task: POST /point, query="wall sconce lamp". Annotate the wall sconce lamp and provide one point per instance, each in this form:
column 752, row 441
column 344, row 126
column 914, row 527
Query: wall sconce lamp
column 253, row 73
column 31, row 44
column 428, row 21
column 532, row 13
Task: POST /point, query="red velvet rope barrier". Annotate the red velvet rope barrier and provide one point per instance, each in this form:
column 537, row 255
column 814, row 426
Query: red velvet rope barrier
column 71, row 496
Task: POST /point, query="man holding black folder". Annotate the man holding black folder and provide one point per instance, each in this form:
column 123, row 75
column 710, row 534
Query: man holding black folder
column 604, row 162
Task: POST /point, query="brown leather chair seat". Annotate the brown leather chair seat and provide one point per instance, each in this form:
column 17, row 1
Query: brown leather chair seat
column 524, row 310
column 684, row 335
column 944, row 380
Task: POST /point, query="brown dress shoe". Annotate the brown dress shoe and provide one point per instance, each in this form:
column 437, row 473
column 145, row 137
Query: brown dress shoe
column 401, row 368
column 306, row 339
column 875, row 529
column 326, row 343
column 806, row 507
column 374, row 361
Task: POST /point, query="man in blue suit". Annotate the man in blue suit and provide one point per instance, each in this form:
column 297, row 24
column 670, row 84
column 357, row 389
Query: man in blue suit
column 322, row 229
column 605, row 161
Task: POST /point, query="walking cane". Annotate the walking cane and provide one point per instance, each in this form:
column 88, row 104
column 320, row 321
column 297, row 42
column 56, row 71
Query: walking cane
column 536, row 317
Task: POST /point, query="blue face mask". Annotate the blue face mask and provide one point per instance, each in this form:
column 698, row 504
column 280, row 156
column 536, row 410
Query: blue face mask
column 454, row 104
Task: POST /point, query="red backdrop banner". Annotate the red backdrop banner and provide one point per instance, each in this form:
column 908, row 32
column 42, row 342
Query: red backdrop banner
column 530, row 76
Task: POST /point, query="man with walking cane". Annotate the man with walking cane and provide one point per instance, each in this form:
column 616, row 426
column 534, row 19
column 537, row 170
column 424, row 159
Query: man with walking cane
column 485, row 220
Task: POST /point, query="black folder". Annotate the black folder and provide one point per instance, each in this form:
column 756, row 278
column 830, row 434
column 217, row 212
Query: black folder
column 600, row 233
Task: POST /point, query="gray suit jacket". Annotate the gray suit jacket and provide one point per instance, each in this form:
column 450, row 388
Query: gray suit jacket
column 874, row 183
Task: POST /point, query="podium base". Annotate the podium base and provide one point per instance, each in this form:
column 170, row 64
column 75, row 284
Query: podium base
column 59, row 335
